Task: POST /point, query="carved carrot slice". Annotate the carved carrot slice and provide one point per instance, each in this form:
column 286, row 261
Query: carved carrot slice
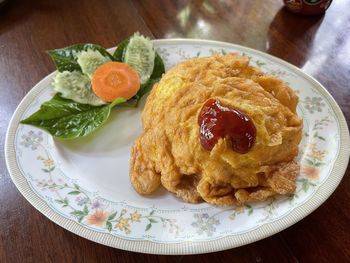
column 115, row 80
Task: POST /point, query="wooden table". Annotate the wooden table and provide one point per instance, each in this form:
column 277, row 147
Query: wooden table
column 318, row 45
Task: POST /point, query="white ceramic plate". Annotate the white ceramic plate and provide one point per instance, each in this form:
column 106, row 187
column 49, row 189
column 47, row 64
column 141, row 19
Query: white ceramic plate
column 83, row 185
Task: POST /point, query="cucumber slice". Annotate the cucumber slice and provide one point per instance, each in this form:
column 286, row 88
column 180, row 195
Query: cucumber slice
column 76, row 86
column 90, row 60
column 139, row 54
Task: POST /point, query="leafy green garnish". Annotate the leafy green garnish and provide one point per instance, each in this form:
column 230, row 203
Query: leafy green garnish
column 76, row 86
column 140, row 55
column 66, row 58
column 90, row 60
column 120, row 51
column 67, row 119
column 159, row 68
column 157, row 73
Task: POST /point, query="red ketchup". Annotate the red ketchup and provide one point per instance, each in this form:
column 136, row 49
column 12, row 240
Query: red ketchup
column 219, row 121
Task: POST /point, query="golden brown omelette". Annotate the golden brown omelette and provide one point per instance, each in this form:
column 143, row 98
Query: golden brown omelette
column 169, row 152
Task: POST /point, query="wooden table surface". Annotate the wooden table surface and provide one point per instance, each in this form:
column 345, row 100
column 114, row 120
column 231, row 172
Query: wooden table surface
column 318, row 45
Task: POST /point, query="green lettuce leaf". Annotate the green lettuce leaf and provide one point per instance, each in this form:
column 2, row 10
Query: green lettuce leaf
column 66, row 58
column 159, row 68
column 67, row 119
column 120, row 51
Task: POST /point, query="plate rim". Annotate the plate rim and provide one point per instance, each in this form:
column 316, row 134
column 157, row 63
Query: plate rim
column 185, row 247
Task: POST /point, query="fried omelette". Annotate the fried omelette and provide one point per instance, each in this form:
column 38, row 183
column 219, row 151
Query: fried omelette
column 169, row 151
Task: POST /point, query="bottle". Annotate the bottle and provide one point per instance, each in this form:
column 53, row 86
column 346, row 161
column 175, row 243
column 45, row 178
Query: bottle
column 307, row 7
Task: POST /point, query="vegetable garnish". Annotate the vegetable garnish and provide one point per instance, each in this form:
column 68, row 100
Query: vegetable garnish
column 67, row 119
column 76, row 86
column 90, row 82
column 115, row 80
column 139, row 54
